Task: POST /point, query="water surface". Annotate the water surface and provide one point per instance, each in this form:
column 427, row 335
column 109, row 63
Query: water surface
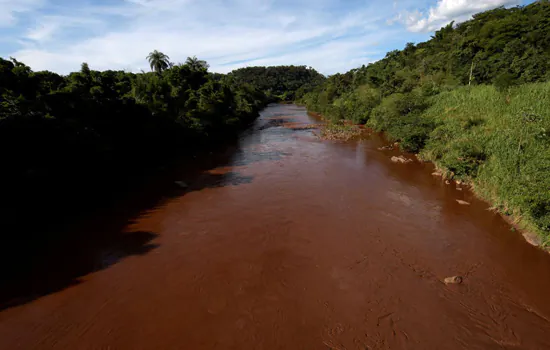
column 296, row 243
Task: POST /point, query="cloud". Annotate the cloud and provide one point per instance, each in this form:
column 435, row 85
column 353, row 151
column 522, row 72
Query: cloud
column 48, row 28
column 333, row 56
column 10, row 9
column 446, row 11
column 330, row 35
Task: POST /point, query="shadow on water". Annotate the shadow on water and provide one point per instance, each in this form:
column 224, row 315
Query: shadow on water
column 38, row 261
column 43, row 254
column 39, row 257
column 209, row 180
column 84, row 246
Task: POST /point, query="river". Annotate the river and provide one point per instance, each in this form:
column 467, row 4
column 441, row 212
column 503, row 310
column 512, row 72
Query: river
column 291, row 242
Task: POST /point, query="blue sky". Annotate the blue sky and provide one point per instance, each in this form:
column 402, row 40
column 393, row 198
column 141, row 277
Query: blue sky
column 329, row 35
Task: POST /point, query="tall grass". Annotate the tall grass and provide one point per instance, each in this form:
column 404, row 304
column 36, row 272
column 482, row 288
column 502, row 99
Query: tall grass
column 496, row 139
column 500, row 142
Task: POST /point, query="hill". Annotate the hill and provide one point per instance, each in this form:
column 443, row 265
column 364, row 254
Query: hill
column 474, row 99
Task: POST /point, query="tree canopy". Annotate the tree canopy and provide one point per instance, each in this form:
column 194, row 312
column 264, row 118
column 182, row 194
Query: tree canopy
column 472, row 99
column 158, row 61
column 67, row 139
column 505, row 47
column 92, row 126
column 281, row 82
column 196, row 64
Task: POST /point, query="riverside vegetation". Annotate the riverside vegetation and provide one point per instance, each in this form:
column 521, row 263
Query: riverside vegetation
column 69, row 140
column 475, row 100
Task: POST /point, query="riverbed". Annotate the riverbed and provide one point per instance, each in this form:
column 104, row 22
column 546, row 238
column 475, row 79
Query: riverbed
column 291, row 242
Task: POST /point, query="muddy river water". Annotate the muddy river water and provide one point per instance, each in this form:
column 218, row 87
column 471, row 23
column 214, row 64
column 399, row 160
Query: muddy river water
column 297, row 243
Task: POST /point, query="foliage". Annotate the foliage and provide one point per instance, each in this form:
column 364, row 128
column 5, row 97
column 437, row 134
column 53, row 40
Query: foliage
column 471, row 99
column 158, row 61
column 339, row 131
column 66, row 138
column 195, row 64
column 282, row 83
column 501, row 143
column 502, row 46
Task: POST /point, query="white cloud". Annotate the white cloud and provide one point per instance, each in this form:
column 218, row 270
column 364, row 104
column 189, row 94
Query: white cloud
column 227, row 33
column 446, row 11
column 48, row 27
column 330, row 57
column 9, row 9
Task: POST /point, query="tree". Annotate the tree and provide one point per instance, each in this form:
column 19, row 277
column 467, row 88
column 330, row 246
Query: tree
column 195, row 64
column 85, row 68
column 158, row 61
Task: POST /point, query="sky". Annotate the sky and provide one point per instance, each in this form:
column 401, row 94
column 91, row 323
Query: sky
column 329, row 35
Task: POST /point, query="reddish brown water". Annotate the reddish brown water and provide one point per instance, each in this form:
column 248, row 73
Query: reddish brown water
column 297, row 243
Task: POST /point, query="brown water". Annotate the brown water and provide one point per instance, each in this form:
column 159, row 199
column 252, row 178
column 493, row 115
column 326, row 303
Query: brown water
column 296, row 243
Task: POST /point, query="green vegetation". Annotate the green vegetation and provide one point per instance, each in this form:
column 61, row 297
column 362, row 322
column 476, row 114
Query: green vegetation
column 158, row 61
column 501, row 142
column 285, row 83
column 79, row 143
column 474, row 99
column 339, row 131
column 69, row 140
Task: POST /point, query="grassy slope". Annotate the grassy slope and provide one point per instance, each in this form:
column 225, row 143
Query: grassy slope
column 495, row 138
column 500, row 142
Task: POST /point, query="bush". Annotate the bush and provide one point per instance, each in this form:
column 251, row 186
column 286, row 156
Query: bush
column 500, row 144
column 400, row 116
column 504, row 81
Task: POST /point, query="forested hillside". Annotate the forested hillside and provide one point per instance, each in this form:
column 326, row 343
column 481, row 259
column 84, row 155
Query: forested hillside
column 503, row 47
column 285, row 83
column 58, row 131
column 474, row 99
column 67, row 139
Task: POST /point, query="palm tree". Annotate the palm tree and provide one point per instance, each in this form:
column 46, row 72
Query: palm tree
column 195, row 64
column 158, row 61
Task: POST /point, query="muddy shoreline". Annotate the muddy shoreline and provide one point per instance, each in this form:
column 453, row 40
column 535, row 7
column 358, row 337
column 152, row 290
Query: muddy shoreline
column 530, row 236
column 515, row 222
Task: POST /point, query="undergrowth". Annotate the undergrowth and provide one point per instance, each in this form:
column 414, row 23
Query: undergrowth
column 339, row 131
column 495, row 138
column 500, row 142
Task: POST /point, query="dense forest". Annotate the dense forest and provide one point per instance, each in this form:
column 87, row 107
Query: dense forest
column 504, row 47
column 62, row 130
column 474, row 99
column 69, row 140
column 286, row 83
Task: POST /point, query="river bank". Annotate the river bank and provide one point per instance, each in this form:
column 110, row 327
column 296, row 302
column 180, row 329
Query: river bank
column 295, row 242
column 89, row 216
column 336, row 131
column 526, row 229
column 482, row 115
column 496, row 141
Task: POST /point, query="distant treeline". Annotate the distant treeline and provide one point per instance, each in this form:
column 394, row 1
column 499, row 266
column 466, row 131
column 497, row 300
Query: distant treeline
column 474, row 99
column 286, row 83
